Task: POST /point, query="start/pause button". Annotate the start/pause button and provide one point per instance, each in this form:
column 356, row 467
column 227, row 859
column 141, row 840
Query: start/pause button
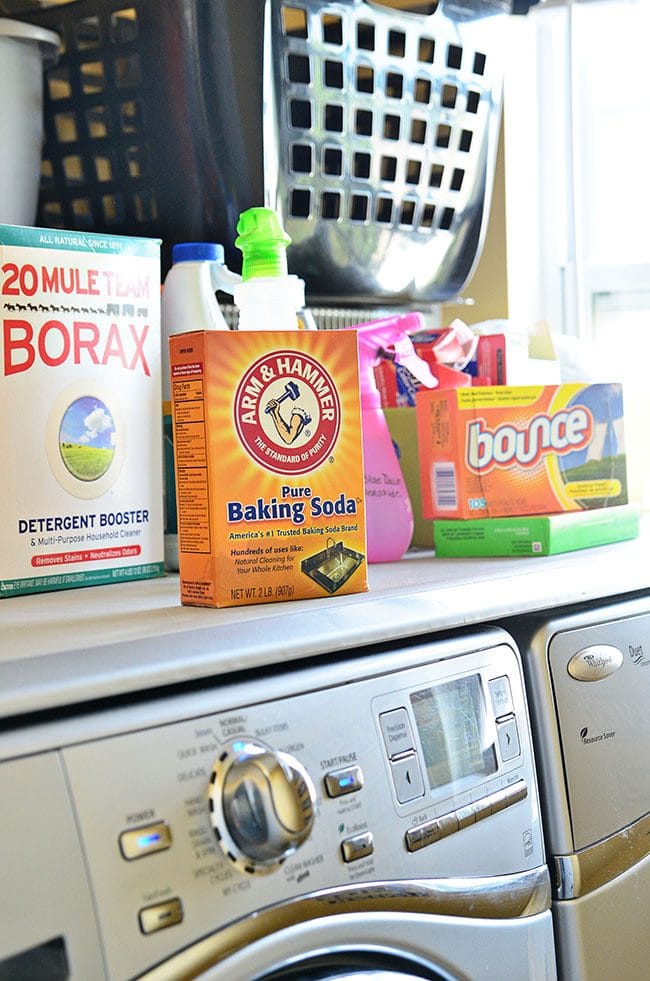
column 407, row 778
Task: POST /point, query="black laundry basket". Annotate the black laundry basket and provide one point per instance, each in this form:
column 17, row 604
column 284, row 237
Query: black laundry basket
column 371, row 130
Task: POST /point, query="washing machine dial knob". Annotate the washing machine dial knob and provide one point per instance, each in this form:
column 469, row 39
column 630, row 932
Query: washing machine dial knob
column 262, row 805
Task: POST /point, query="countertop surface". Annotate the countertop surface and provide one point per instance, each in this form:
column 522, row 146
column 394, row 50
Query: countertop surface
column 74, row 646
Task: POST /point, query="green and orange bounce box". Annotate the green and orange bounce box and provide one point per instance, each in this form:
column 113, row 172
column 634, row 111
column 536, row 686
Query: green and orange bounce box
column 269, row 472
column 521, row 450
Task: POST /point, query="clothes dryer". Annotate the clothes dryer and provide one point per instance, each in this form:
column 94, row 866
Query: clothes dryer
column 588, row 679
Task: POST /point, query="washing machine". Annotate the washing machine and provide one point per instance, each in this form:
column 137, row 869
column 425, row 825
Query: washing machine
column 588, row 679
column 368, row 815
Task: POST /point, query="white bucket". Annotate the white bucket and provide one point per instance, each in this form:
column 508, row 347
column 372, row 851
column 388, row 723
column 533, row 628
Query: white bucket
column 24, row 50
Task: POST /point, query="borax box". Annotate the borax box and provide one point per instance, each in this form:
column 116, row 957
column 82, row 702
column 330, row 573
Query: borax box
column 269, row 474
column 80, row 495
column 521, row 449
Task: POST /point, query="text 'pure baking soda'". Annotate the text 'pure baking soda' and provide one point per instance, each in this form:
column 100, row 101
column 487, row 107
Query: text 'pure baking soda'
column 81, row 492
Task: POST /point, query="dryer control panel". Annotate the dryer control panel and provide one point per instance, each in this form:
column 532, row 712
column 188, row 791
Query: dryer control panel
column 203, row 809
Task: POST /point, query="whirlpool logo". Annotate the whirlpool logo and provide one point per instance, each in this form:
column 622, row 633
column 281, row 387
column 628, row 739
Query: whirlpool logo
column 598, row 738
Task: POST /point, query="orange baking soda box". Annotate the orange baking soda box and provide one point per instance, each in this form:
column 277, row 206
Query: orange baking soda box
column 269, row 469
column 526, row 449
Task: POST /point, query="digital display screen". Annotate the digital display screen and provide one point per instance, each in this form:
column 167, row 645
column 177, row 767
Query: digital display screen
column 450, row 719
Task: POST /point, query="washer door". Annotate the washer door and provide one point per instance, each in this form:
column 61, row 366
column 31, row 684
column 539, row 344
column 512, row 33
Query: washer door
column 355, row 965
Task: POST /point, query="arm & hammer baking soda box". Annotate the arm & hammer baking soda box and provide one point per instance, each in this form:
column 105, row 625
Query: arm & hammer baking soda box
column 501, row 450
column 269, row 471
column 81, row 488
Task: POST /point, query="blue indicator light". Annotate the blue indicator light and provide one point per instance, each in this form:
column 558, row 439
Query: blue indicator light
column 151, row 839
column 346, row 781
column 238, row 746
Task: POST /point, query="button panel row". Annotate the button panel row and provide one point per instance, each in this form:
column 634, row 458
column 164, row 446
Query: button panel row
column 441, row 827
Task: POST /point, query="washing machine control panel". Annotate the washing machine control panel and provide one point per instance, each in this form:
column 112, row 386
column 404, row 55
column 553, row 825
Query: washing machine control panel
column 211, row 806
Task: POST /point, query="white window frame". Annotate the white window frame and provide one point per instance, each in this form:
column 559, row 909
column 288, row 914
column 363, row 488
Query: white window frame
column 550, row 274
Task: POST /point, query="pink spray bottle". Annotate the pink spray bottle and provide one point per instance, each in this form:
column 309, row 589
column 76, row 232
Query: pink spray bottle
column 389, row 515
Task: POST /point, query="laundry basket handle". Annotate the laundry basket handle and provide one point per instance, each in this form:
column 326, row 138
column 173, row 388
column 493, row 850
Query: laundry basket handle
column 458, row 10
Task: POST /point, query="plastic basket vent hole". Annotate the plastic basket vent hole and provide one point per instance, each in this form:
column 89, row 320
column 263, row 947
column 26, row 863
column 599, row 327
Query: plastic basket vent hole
column 388, row 168
column 394, row 87
column 413, row 172
column 407, row 212
column 47, row 174
column 330, row 205
column 87, row 34
column 479, row 63
column 294, row 22
column 131, row 116
column 332, row 29
column 145, row 207
column 473, row 100
column 83, row 216
column 93, row 80
column 363, row 122
column 361, row 166
column 365, row 36
column 384, row 210
column 422, row 91
column 418, row 133
column 435, row 175
column 333, row 118
column 426, row 50
column 73, row 171
column 365, row 79
column 97, row 122
column 449, row 96
column 104, row 167
column 454, row 56
column 333, row 74
column 138, row 162
column 333, row 161
column 392, row 125
column 300, row 113
column 124, row 26
column 300, row 203
column 58, row 84
column 457, row 178
column 65, row 126
column 447, row 218
column 53, row 213
column 465, row 142
column 113, row 209
column 359, row 207
column 428, row 215
column 301, row 158
column 443, row 135
column 396, row 44
column 299, row 69
column 128, row 71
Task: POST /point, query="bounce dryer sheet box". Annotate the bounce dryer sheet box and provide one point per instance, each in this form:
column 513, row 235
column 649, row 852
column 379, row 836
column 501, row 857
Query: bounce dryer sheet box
column 536, row 534
column 269, row 474
column 81, row 443
column 528, row 449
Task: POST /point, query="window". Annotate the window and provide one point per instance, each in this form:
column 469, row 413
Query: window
column 576, row 128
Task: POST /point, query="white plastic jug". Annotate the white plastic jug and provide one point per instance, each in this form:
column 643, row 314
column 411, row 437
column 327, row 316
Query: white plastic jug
column 24, row 51
column 188, row 303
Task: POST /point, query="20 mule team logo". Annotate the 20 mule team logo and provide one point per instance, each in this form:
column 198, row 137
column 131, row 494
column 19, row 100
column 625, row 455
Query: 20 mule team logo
column 287, row 412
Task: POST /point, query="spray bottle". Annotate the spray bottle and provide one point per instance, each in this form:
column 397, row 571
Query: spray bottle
column 268, row 297
column 188, row 303
column 389, row 515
